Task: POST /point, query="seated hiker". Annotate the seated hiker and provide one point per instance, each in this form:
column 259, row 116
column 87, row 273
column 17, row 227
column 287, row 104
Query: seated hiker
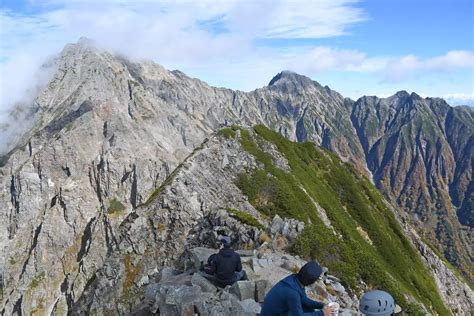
column 226, row 265
column 378, row 303
column 288, row 296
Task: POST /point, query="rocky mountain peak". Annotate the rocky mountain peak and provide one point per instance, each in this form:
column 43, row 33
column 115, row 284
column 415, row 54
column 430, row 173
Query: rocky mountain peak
column 402, row 94
column 287, row 77
column 415, row 96
column 83, row 47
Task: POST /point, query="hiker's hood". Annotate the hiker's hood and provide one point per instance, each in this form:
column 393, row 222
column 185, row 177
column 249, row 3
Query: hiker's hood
column 226, row 252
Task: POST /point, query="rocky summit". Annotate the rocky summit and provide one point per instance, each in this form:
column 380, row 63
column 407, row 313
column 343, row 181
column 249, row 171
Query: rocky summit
column 130, row 172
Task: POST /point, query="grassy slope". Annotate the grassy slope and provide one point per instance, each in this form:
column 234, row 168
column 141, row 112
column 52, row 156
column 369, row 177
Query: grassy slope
column 350, row 201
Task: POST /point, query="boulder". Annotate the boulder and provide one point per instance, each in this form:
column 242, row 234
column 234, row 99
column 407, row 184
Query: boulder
column 261, row 289
column 166, row 273
column 243, row 290
column 183, row 295
column 290, row 265
column 143, row 309
column 277, row 225
column 203, row 283
column 200, row 254
column 144, row 280
column 263, row 263
column 151, row 291
column 250, row 306
column 245, row 253
column 167, row 310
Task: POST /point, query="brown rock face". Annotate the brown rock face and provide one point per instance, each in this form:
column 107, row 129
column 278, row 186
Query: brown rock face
column 420, row 152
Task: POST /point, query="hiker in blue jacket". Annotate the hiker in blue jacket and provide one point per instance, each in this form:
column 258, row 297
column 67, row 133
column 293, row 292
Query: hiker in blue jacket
column 288, row 297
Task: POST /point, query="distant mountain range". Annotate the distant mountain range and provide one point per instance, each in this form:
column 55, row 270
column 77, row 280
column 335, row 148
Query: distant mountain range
column 108, row 131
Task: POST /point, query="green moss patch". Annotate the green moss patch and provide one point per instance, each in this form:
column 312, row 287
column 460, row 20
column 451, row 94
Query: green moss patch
column 245, row 218
column 37, row 280
column 115, row 207
column 228, row 132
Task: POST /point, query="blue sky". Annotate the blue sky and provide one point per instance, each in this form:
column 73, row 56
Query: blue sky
column 356, row 47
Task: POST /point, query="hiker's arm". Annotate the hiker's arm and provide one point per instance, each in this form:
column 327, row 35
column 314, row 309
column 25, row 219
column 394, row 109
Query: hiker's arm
column 295, row 304
column 212, row 269
column 309, row 303
column 239, row 264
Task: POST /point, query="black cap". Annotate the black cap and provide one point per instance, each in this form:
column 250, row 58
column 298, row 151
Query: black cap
column 309, row 273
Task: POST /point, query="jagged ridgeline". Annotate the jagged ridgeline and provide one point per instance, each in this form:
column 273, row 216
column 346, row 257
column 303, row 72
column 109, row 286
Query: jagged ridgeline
column 361, row 240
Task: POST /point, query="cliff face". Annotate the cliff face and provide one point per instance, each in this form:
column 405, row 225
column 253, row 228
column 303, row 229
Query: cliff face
column 108, row 132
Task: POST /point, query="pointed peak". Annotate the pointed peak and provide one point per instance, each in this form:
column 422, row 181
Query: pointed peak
column 87, row 42
column 290, row 76
column 84, row 44
column 415, row 96
column 402, row 94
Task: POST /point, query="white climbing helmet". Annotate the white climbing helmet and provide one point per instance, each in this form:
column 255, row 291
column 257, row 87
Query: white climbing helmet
column 378, row 303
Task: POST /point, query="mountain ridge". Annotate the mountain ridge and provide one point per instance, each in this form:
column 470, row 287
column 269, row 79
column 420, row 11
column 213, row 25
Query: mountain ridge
column 139, row 122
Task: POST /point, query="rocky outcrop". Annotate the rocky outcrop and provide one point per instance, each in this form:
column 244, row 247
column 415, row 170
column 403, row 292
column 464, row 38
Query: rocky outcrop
column 174, row 293
column 457, row 294
column 156, row 233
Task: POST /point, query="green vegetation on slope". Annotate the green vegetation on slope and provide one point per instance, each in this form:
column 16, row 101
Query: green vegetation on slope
column 228, row 132
column 157, row 191
column 387, row 260
column 245, row 218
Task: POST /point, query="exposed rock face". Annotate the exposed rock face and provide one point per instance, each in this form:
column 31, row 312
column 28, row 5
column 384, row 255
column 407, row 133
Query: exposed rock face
column 457, row 295
column 156, row 234
column 108, row 132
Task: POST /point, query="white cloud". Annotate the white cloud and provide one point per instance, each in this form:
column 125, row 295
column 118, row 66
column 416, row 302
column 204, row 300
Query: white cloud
column 321, row 59
column 460, row 98
column 399, row 69
column 311, row 19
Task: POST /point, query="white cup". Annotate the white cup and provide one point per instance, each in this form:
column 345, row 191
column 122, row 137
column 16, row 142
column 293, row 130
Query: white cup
column 334, row 308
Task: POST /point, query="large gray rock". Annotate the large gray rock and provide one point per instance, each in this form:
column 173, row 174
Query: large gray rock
column 200, row 254
column 183, row 295
column 203, row 283
column 259, row 264
column 277, row 225
column 261, row 289
column 250, row 306
column 243, row 290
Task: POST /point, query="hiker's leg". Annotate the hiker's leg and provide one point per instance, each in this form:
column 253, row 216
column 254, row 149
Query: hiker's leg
column 241, row 275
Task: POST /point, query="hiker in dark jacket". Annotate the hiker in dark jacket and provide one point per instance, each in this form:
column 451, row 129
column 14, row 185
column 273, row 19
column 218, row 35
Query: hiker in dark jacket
column 226, row 266
column 288, row 297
